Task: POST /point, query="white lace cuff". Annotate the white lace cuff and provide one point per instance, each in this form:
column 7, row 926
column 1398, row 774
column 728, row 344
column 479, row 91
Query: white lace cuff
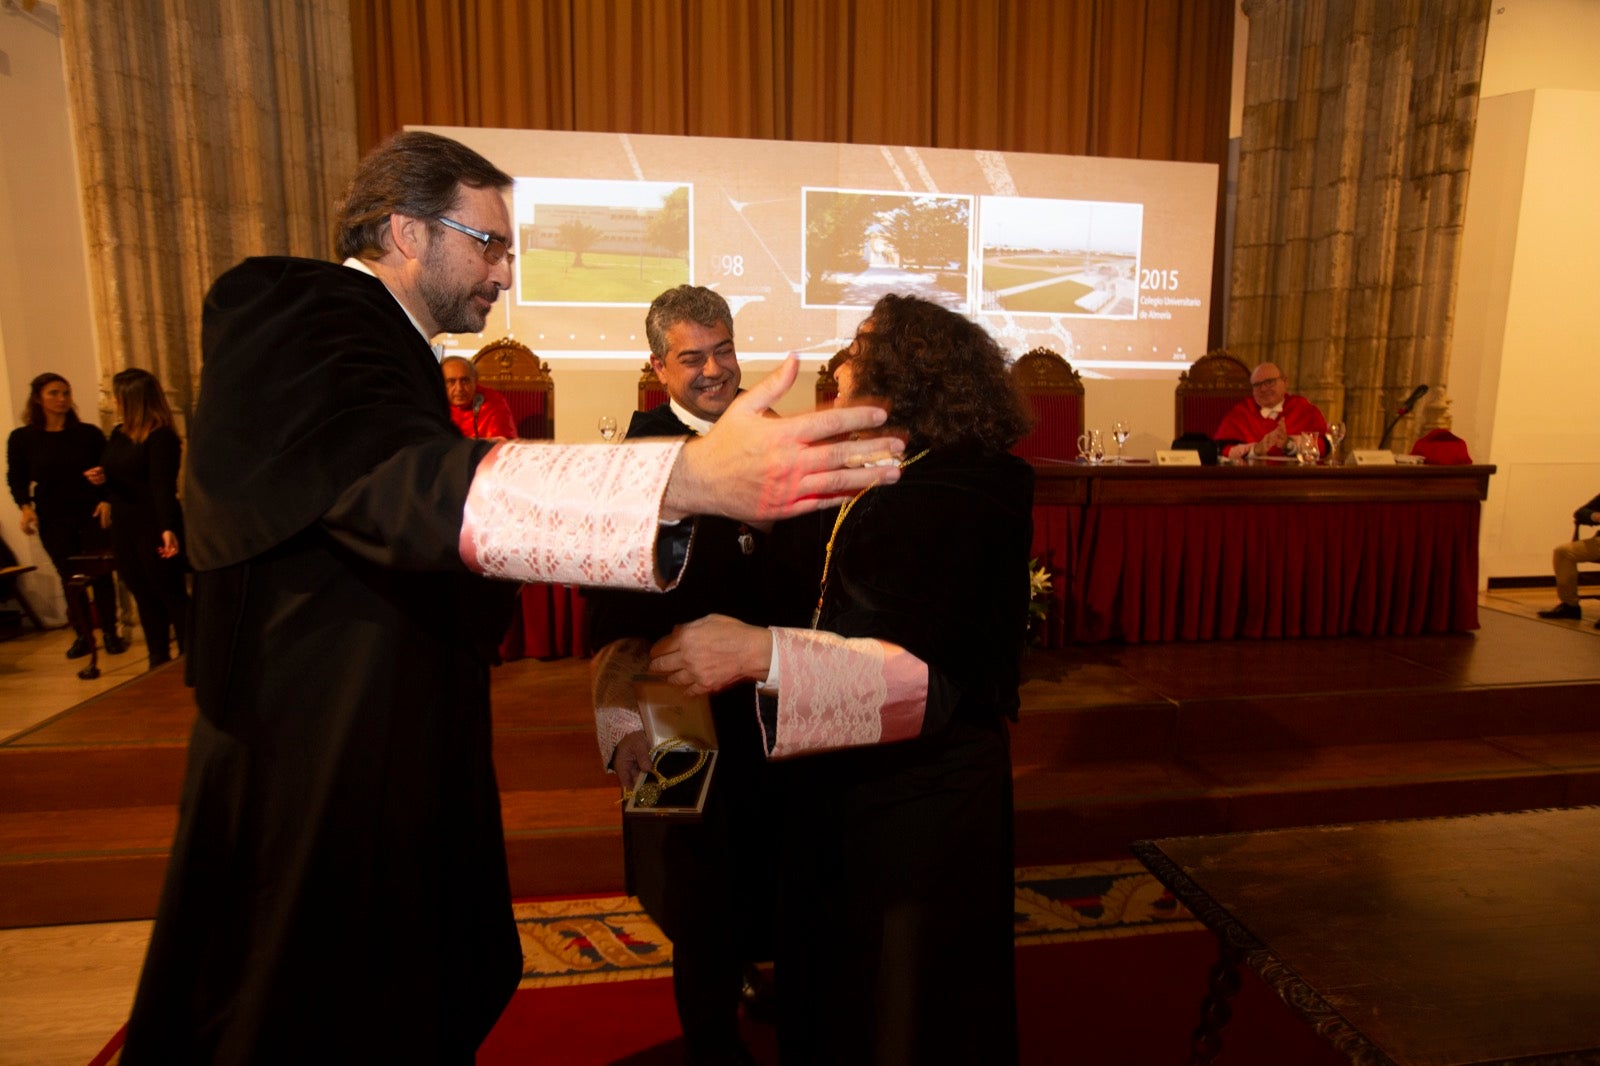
column 581, row 514
column 844, row 693
column 616, row 708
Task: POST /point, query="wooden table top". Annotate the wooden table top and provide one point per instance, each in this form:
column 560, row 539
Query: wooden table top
column 1444, row 940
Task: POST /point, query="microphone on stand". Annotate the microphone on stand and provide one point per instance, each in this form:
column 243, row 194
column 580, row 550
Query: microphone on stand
column 1405, row 408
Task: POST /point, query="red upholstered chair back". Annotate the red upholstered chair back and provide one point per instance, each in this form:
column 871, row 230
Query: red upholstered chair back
column 827, row 388
column 652, row 393
column 524, row 378
column 1054, row 392
column 1207, row 391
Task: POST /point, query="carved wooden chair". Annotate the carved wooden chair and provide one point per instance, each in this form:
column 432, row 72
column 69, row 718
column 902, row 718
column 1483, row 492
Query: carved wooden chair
column 1054, row 393
column 1207, row 391
column 652, row 393
column 827, row 389
column 511, row 367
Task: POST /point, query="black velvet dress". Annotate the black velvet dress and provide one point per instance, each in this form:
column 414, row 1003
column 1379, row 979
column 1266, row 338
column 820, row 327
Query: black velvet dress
column 896, row 900
column 46, row 470
column 142, row 486
column 338, row 888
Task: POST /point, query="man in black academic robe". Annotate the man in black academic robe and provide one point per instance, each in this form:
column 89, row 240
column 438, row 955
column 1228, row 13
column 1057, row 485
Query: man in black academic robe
column 337, row 889
column 708, row 883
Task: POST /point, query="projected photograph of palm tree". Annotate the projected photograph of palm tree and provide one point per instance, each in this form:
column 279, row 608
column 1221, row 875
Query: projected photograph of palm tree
column 1060, row 257
column 601, row 242
column 861, row 245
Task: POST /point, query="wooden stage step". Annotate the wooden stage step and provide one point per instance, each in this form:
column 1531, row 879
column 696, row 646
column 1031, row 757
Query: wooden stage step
column 1115, row 743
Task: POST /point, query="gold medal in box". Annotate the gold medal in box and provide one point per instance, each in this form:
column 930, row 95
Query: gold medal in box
column 683, row 750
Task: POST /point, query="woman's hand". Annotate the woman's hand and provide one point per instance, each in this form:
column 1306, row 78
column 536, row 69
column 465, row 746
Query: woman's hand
column 96, row 475
column 711, row 653
column 30, row 520
column 631, row 759
column 169, row 544
column 102, row 511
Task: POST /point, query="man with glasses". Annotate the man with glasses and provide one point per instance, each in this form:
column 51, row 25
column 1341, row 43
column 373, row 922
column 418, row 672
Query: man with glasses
column 337, row 889
column 1267, row 422
column 478, row 411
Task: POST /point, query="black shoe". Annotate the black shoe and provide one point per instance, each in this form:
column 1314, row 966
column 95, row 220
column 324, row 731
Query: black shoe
column 758, row 997
column 113, row 644
column 80, row 647
column 1563, row 610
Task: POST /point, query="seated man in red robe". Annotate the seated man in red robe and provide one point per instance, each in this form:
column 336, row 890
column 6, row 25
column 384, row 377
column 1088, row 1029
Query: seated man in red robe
column 478, row 411
column 1266, row 424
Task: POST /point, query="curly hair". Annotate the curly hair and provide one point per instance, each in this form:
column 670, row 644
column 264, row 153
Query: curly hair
column 33, row 410
column 684, row 303
column 944, row 379
column 412, row 173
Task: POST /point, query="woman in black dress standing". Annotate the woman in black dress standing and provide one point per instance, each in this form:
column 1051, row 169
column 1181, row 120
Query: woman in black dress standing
column 895, row 904
column 46, row 460
column 140, row 473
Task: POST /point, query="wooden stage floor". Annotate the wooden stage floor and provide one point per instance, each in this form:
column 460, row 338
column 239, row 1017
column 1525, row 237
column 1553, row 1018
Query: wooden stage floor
column 1115, row 743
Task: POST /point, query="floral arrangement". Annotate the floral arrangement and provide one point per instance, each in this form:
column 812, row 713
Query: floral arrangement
column 1038, row 600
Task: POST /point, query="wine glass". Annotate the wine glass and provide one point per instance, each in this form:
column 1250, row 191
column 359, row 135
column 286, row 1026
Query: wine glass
column 1335, row 438
column 608, row 428
column 1120, row 430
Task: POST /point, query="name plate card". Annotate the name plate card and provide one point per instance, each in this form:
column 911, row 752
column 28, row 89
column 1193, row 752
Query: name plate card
column 1373, row 457
column 1177, row 457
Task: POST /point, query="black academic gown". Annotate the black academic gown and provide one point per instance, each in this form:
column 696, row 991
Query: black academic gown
column 707, row 884
column 337, row 890
column 895, row 912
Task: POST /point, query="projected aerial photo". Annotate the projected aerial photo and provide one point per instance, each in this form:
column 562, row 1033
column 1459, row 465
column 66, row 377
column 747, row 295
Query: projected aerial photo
column 1063, row 257
column 601, row 242
column 862, row 245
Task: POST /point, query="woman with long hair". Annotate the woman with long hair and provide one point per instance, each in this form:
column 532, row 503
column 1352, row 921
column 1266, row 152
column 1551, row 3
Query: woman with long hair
column 139, row 469
column 46, row 459
column 895, row 901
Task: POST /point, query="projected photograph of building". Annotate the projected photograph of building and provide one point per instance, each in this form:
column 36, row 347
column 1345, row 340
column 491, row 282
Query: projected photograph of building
column 1063, row 257
column 861, row 245
column 601, row 242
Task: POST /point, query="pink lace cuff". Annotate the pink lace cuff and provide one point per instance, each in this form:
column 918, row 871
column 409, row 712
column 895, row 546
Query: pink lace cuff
column 616, row 708
column 581, row 514
column 844, row 693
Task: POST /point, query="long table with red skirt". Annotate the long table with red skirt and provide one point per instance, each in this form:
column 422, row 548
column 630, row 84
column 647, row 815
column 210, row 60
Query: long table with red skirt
column 1144, row 553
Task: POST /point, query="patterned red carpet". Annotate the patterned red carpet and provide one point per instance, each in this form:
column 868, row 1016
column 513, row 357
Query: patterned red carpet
column 1095, row 986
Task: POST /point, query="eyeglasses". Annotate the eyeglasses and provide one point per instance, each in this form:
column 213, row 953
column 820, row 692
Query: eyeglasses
column 1265, row 381
column 494, row 249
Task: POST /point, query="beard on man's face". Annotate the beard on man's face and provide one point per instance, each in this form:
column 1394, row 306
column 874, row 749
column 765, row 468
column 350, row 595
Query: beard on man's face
column 453, row 305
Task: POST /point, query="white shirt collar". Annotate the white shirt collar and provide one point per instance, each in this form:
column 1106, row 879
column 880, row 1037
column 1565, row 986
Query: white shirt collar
column 700, row 426
column 1273, row 412
column 356, row 264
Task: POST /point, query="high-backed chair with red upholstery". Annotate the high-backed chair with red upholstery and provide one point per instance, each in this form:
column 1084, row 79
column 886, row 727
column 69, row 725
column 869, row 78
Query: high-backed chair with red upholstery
column 1207, row 391
column 1054, row 393
column 827, row 387
column 652, row 393
column 511, row 367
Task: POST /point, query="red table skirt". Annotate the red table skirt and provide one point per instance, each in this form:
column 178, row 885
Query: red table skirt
column 1144, row 572
column 548, row 624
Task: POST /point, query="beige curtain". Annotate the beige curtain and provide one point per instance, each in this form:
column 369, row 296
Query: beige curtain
column 206, row 131
column 1358, row 130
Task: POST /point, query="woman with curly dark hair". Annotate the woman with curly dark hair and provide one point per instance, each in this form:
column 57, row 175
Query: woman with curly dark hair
column 895, row 907
column 46, row 458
